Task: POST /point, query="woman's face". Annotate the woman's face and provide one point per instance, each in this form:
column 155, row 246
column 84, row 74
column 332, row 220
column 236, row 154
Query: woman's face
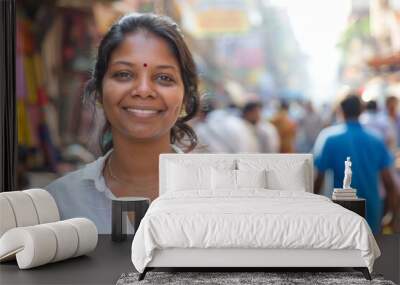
column 142, row 88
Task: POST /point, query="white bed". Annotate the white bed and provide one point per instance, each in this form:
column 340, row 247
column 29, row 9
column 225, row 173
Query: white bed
column 215, row 211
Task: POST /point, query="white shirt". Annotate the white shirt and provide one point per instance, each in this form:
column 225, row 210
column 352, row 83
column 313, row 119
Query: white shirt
column 268, row 137
column 382, row 126
column 84, row 193
column 223, row 132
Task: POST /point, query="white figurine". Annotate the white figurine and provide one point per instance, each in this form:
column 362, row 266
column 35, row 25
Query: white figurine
column 347, row 174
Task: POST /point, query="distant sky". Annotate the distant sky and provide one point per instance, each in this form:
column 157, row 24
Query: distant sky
column 318, row 25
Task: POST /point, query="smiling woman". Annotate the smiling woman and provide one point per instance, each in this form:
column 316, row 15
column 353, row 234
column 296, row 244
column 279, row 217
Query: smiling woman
column 142, row 102
column 146, row 82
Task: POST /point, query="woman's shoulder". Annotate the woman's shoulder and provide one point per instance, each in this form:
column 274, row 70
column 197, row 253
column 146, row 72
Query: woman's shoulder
column 78, row 178
column 68, row 181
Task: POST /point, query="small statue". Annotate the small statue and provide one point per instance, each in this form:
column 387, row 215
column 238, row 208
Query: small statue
column 347, row 174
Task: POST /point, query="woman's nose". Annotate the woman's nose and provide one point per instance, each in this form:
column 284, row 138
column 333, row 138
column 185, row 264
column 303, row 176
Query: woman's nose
column 143, row 87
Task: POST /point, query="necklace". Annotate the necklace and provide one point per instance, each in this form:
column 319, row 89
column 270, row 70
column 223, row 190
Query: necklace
column 123, row 181
column 113, row 176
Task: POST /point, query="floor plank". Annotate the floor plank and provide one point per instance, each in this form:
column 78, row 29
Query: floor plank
column 389, row 262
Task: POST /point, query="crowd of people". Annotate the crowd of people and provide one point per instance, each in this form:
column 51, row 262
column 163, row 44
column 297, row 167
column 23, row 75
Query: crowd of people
column 247, row 129
column 366, row 132
column 293, row 126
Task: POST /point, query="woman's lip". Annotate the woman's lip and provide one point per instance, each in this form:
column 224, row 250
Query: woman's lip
column 143, row 113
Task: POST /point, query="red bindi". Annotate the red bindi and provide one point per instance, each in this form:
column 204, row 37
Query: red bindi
column 145, row 64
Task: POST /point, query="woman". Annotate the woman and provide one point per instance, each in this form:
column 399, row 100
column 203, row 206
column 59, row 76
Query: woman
column 146, row 82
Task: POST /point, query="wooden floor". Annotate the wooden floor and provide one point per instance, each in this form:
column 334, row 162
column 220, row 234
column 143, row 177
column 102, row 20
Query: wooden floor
column 389, row 262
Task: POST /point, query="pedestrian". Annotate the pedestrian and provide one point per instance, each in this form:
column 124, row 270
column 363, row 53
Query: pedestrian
column 286, row 128
column 370, row 157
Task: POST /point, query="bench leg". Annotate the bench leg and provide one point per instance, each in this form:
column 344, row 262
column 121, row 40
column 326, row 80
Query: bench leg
column 364, row 271
column 143, row 274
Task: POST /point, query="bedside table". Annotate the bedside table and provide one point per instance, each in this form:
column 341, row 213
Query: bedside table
column 120, row 207
column 355, row 205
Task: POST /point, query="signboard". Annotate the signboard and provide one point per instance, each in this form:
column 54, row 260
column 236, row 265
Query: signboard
column 205, row 18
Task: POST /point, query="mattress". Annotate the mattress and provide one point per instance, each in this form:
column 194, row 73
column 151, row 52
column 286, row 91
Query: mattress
column 251, row 219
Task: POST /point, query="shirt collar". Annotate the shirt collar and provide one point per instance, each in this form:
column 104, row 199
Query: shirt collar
column 94, row 170
column 353, row 123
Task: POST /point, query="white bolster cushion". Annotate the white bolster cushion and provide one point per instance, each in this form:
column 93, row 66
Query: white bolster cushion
column 7, row 218
column 33, row 246
column 40, row 244
column 67, row 239
column 87, row 234
column 46, row 207
column 23, row 208
column 26, row 208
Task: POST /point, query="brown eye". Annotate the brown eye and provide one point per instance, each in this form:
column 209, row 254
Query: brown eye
column 122, row 75
column 165, row 79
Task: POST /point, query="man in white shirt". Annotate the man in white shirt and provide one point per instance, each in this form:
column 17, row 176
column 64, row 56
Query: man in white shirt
column 263, row 132
column 379, row 124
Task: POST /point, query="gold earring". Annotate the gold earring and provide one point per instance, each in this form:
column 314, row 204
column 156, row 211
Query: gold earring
column 182, row 113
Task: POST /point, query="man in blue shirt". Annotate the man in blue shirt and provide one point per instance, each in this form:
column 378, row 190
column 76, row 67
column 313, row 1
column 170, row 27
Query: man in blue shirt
column 369, row 155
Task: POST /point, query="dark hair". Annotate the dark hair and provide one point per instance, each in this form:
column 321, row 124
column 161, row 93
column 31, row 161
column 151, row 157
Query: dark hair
column 168, row 30
column 351, row 106
column 371, row 106
column 391, row 99
column 250, row 106
column 284, row 105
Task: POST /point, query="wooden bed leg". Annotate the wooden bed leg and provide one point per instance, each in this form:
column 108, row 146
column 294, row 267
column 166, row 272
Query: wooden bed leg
column 143, row 274
column 364, row 271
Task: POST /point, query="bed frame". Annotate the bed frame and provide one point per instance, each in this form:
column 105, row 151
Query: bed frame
column 248, row 258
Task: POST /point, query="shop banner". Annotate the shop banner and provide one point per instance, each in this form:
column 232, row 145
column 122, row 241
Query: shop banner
column 209, row 18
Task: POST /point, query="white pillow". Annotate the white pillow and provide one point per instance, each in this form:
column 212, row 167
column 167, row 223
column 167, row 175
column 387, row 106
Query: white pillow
column 184, row 178
column 294, row 181
column 285, row 174
column 185, row 174
column 251, row 178
column 223, row 179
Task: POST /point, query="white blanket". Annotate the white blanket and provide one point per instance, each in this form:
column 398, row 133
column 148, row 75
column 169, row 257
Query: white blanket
column 250, row 219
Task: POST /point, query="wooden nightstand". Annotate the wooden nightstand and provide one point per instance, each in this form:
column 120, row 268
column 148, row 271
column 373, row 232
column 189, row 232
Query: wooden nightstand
column 356, row 205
